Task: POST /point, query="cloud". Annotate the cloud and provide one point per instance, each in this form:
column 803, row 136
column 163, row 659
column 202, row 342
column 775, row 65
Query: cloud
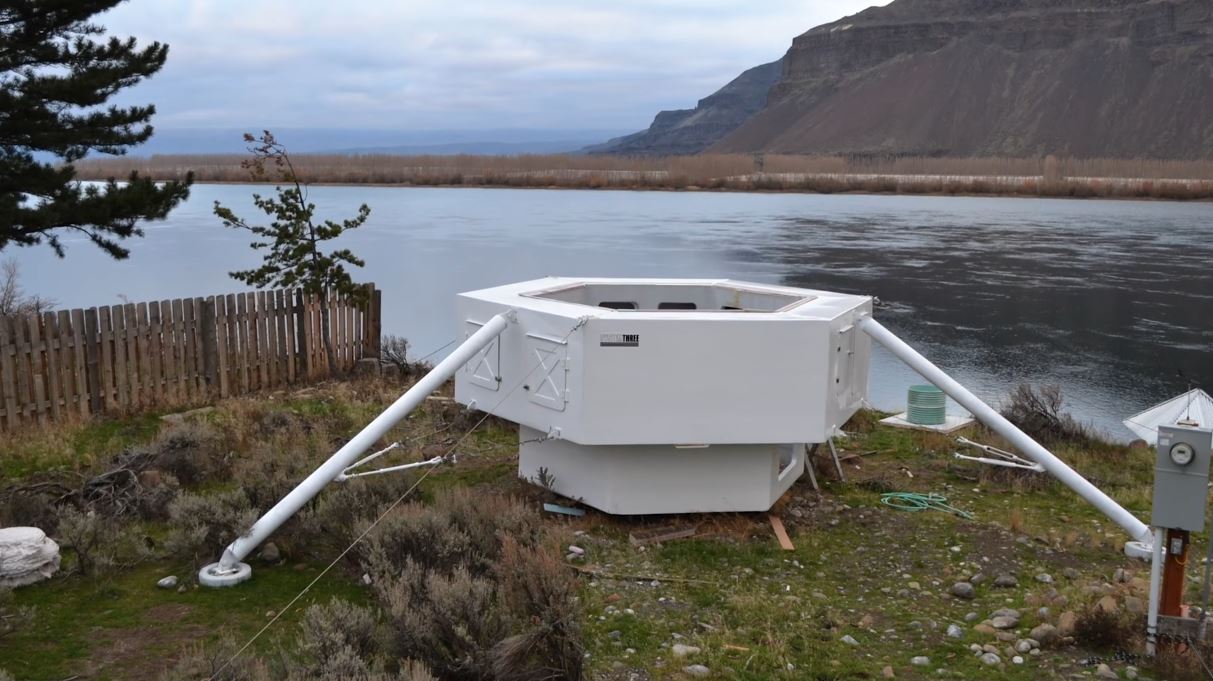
column 474, row 63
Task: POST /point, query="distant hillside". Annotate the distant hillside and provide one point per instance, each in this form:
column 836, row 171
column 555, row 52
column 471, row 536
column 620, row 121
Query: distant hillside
column 342, row 140
column 690, row 131
column 1088, row 78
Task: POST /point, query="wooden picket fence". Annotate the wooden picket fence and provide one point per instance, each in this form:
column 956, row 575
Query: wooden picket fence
column 174, row 353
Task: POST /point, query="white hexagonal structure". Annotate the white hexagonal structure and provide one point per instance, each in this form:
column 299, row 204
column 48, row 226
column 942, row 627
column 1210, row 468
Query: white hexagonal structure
column 667, row 395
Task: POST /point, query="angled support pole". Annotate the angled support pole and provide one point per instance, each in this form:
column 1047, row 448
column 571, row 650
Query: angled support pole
column 230, row 570
column 810, row 461
column 837, row 462
column 996, row 422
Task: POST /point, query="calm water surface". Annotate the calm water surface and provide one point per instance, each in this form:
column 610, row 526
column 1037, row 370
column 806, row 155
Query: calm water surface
column 1112, row 300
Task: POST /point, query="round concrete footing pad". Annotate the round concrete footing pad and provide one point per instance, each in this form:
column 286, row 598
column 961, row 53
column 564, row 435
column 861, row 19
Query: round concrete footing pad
column 216, row 575
column 1141, row 550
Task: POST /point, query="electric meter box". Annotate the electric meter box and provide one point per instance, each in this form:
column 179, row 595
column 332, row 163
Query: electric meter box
column 1181, row 477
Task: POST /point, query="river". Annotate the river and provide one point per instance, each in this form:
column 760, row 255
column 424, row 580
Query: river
column 1113, row 300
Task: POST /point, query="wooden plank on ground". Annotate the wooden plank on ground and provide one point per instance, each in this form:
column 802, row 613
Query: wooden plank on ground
column 661, row 534
column 81, row 348
column 785, row 542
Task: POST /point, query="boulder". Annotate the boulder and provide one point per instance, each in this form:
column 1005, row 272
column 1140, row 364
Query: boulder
column 1046, row 634
column 1065, row 623
column 963, row 590
column 27, row 555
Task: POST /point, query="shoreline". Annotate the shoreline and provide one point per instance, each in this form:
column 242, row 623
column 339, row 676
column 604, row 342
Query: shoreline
column 1204, row 196
column 1047, row 177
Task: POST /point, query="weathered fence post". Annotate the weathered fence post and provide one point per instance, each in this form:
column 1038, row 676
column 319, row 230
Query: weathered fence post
column 92, row 364
column 210, row 348
column 375, row 325
column 302, row 337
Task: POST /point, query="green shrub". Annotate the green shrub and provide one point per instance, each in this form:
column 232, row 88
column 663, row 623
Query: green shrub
column 203, row 525
column 331, row 633
column 99, row 543
column 468, row 588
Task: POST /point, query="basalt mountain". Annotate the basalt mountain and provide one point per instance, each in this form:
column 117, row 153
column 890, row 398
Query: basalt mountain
column 1088, row 78
column 690, row 131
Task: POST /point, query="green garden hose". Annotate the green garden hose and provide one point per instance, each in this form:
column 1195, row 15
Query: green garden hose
column 912, row 501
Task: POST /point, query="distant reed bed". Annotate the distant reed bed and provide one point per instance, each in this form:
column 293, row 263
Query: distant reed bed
column 1049, row 176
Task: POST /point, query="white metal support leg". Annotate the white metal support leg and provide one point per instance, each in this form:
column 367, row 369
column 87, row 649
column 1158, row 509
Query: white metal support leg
column 1156, row 559
column 810, row 456
column 230, row 570
column 1138, row 530
column 837, row 462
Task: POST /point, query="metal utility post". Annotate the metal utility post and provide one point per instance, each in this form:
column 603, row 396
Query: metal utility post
column 1172, row 597
column 1181, row 479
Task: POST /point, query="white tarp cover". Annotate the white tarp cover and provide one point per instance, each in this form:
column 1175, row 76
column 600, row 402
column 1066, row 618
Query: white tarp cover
column 27, row 555
column 1194, row 404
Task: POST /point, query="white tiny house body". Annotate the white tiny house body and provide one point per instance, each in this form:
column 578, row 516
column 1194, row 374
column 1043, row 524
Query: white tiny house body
column 637, row 385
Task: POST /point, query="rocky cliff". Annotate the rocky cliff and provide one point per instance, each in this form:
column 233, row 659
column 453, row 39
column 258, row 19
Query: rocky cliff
column 1112, row 78
column 1090, row 78
column 690, row 131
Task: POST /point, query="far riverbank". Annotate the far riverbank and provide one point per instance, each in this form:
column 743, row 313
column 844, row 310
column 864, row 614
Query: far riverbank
column 1049, row 177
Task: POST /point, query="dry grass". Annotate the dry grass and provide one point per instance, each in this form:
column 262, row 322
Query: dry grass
column 737, row 172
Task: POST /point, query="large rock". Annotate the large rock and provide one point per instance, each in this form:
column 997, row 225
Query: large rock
column 963, row 590
column 683, row 650
column 27, row 555
column 1066, row 622
column 1046, row 634
column 1003, row 622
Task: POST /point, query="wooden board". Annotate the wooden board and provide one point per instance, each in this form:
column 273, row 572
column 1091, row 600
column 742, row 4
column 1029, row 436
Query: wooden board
column 661, row 534
column 785, row 542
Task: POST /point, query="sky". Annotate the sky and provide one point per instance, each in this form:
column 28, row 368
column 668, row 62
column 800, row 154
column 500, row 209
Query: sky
column 452, row 64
